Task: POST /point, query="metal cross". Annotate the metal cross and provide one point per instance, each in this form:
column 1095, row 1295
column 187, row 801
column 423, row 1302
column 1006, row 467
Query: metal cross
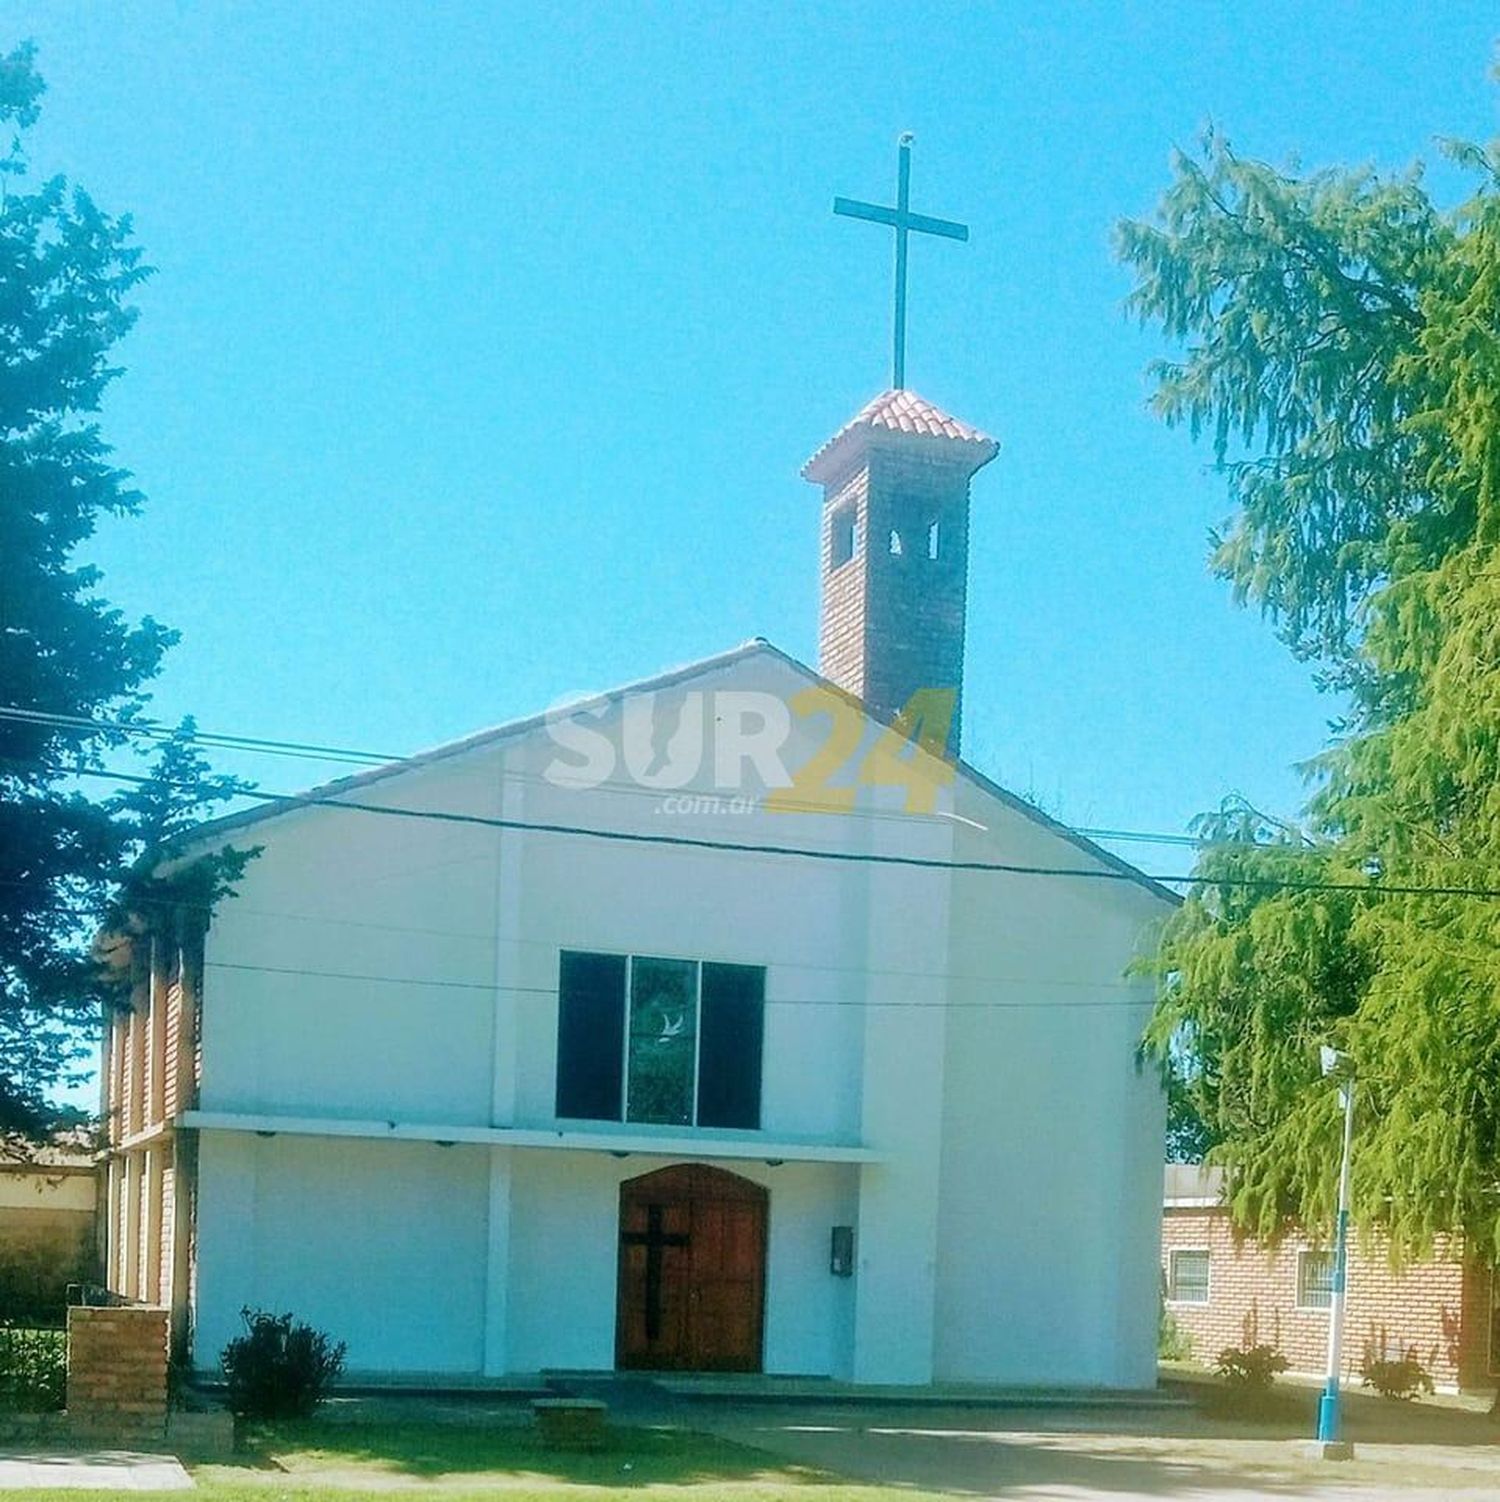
column 903, row 221
column 656, row 1239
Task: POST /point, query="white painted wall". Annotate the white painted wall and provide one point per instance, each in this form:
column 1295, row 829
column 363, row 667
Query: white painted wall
column 1052, row 1136
column 382, row 1244
column 318, row 988
column 1008, row 1233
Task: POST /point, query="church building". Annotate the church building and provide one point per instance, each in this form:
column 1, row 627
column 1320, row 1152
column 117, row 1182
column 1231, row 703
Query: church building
column 725, row 1022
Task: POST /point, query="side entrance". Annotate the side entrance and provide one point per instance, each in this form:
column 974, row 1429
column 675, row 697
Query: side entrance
column 692, row 1285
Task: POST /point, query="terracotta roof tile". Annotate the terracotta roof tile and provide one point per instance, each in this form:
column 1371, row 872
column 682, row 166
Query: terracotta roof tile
column 900, row 412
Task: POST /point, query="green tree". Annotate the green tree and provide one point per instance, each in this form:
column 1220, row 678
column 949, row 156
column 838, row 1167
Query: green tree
column 68, row 861
column 1339, row 339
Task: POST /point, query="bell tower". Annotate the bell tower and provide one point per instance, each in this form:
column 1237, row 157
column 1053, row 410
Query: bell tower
column 895, row 552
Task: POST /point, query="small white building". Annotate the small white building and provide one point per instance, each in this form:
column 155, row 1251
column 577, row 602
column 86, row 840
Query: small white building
column 714, row 1024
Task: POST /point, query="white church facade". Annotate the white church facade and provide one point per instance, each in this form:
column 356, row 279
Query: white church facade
column 713, row 1024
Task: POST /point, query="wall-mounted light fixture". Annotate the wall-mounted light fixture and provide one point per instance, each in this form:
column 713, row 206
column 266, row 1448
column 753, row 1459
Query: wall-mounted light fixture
column 841, row 1252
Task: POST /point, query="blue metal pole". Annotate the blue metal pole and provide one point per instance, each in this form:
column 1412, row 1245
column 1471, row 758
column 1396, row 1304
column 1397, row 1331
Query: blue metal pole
column 903, row 205
column 1328, row 1404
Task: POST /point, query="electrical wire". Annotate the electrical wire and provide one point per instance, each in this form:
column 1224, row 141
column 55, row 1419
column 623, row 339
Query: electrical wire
column 495, row 987
column 159, row 731
column 1373, row 887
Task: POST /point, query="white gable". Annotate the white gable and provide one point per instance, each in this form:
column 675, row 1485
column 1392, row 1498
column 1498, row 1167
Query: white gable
column 948, row 1060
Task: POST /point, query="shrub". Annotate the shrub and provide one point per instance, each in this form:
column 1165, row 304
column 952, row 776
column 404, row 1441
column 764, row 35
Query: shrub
column 1173, row 1343
column 1250, row 1368
column 1401, row 1380
column 279, row 1369
column 33, row 1369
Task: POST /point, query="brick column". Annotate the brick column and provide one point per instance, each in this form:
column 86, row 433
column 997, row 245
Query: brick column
column 117, row 1371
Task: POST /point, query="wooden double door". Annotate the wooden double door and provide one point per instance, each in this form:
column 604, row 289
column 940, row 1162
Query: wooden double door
column 692, row 1283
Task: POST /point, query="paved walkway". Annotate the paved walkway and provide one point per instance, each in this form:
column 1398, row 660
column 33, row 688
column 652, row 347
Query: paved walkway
column 99, row 1470
column 1084, row 1457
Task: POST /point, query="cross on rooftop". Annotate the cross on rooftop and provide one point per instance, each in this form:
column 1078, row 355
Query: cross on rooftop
column 903, row 221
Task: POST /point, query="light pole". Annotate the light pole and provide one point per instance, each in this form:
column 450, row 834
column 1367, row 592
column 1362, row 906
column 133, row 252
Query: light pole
column 1328, row 1406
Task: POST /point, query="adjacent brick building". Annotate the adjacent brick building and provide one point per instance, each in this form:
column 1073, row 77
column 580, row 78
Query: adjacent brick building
column 152, row 1059
column 1222, row 1290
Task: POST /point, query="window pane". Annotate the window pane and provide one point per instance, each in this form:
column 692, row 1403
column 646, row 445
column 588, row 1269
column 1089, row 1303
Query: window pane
column 590, row 1035
column 1315, row 1280
column 1189, row 1281
column 663, row 1040
column 729, row 1056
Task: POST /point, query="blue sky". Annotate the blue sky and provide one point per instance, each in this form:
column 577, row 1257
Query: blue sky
column 487, row 341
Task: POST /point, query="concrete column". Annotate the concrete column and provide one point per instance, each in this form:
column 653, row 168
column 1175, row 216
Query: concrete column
column 902, row 1111
column 151, row 1215
column 509, row 963
column 497, row 1261
column 130, row 1233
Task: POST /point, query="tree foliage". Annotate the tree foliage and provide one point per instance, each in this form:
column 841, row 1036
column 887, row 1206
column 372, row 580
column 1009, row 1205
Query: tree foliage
column 68, row 860
column 1339, row 339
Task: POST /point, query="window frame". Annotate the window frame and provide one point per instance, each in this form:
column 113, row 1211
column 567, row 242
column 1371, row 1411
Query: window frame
column 1303, row 1255
column 624, row 1119
column 1173, row 1254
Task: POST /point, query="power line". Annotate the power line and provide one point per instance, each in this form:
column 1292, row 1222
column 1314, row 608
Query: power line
column 157, row 730
column 160, row 731
column 492, row 940
column 289, row 801
column 493, row 987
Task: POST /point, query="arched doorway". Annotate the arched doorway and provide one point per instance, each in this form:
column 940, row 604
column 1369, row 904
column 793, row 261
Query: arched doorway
column 692, row 1283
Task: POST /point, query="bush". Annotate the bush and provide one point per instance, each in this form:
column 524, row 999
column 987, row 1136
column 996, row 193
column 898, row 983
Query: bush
column 1173, row 1343
column 1250, row 1368
column 279, row 1369
column 33, row 1369
column 1401, row 1380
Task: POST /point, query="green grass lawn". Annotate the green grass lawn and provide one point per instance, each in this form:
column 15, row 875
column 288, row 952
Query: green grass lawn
column 342, row 1461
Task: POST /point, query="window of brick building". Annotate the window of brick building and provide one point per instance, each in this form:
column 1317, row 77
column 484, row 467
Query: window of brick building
column 1314, row 1279
column 1187, row 1276
column 844, row 536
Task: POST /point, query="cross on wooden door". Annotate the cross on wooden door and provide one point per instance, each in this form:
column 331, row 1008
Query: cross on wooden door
column 656, row 1239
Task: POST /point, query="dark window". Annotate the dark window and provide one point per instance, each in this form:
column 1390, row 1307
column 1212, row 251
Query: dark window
column 843, row 542
column 590, row 1035
column 732, row 1031
column 663, row 1041
column 691, row 1052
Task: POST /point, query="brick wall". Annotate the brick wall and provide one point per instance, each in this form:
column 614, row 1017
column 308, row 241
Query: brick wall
column 841, row 623
column 892, row 622
column 1434, row 1307
column 117, row 1370
column 152, row 1053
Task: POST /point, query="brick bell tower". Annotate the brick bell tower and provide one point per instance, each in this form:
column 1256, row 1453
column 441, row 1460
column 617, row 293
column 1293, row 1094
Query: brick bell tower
column 895, row 551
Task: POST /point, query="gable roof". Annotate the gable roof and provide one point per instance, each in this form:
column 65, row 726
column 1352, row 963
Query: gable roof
column 330, row 792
